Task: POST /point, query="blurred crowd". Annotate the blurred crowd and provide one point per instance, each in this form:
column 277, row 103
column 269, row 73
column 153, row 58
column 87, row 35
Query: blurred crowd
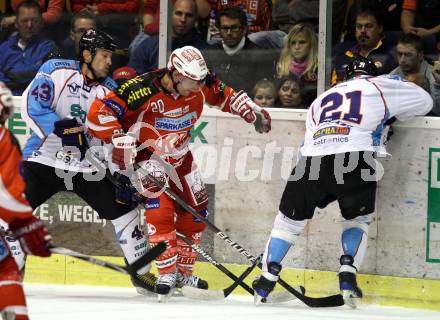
column 267, row 48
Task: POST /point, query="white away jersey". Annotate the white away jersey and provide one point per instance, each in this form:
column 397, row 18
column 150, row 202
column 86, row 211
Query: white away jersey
column 351, row 115
column 58, row 91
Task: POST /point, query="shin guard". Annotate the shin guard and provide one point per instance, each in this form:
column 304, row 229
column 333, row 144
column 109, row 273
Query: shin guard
column 131, row 238
column 12, row 298
column 354, row 240
column 166, row 262
column 186, row 256
column 284, row 233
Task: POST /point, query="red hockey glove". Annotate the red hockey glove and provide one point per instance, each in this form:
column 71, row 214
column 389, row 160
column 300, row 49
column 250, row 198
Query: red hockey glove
column 240, row 105
column 124, row 150
column 33, row 236
column 263, row 122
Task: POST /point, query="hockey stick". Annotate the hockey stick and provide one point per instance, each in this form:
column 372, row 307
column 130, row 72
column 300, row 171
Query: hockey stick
column 197, row 293
column 203, row 294
column 329, row 301
column 147, row 258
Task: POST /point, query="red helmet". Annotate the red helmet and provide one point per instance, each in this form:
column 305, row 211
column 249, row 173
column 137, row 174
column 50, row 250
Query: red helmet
column 189, row 62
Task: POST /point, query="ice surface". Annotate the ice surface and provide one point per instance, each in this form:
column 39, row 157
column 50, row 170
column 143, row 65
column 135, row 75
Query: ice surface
column 49, row 302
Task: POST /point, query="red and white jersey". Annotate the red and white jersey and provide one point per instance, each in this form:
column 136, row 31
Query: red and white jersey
column 161, row 121
column 351, row 115
column 13, row 204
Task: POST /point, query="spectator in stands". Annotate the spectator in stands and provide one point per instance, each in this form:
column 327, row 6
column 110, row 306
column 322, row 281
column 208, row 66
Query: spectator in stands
column 184, row 16
column 236, row 59
column 116, row 17
column 24, row 52
column 80, row 23
column 435, row 88
column 289, row 93
column 299, row 56
column 287, row 13
column 52, row 12
column 258, row 15
column 264, row 93
column 150, row 19
column 412, row 65
column 123, row 74
column 421, row 17
column 369, row 43
column 392, row 9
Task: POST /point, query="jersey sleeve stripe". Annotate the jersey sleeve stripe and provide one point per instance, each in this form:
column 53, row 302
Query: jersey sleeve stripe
column 386, row 111
column 64, row 86
column 96, row 127
column 8, row 202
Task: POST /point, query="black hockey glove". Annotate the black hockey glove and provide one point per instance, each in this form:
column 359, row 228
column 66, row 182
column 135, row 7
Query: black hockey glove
column 72, row 136
column 125, row 193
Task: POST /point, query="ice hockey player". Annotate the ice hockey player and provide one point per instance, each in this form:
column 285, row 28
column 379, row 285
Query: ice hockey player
column 338, row 162
column 55, row 106
column 15, row 210
column 166, row 104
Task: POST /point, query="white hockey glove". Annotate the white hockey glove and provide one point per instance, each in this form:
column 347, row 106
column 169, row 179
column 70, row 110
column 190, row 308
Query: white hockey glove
column 124, row 150
column 243, row 105
column 6, row 104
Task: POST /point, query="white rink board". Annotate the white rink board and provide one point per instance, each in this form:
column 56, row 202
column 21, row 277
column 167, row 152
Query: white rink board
column 108, row 303
column 249, row 171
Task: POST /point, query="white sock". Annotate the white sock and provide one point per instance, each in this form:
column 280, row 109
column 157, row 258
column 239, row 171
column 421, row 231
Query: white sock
column 131, row 238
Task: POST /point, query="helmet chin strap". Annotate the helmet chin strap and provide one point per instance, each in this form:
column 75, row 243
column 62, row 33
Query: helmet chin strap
column 175, row 83
column 89, row 66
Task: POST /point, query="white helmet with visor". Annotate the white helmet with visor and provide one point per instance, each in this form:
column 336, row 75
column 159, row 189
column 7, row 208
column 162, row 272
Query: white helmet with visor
column 189, row 62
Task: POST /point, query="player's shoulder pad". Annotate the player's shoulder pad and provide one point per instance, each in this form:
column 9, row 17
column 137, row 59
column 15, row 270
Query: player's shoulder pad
column 56, row 64
column 136, row 91
column 109, row 83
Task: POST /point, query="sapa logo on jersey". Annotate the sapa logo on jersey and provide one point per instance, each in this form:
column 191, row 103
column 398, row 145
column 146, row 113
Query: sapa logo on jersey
column 333, row 130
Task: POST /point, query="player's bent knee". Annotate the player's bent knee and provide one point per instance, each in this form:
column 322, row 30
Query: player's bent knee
column 286, row 228
column 361, row 222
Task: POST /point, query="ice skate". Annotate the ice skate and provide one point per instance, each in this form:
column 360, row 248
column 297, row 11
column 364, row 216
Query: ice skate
column 350, row 291
column 191, row 281
column 165, row 286
column 143, row 283
column 266, row 283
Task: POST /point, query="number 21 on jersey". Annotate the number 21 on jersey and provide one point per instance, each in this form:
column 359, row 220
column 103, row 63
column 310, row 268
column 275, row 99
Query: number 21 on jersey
column 334, row 104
